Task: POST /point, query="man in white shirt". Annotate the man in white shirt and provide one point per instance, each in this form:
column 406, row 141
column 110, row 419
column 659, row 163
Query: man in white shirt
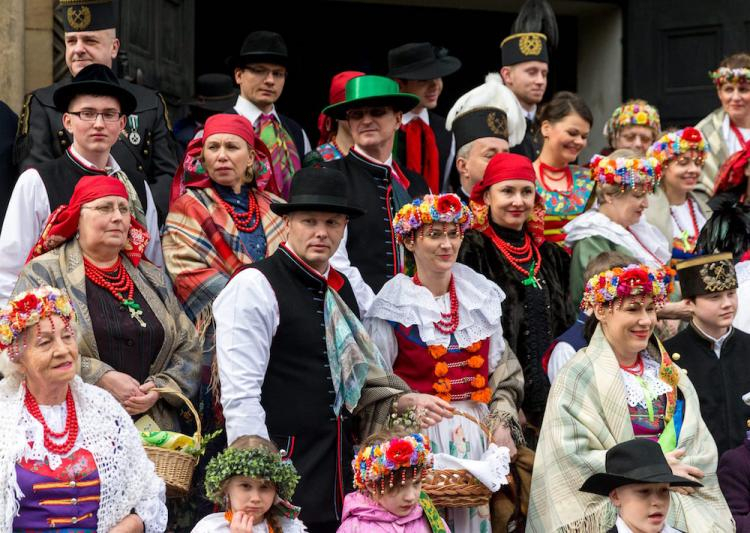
column 260, row 70
column 94, row 107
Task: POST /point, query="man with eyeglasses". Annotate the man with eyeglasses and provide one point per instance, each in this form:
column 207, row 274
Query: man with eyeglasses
column 368, row 253
column 145, row 146
column 260, row 70
column 94, row 107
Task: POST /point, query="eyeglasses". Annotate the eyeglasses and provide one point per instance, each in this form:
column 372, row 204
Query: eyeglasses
column 437, row 235
column 108, row 209
column 374, row 112
column 89, row 115
column 278, row 74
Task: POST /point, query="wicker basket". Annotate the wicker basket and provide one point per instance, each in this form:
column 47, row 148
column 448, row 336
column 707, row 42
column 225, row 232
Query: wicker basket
column 175, row 467
column 457, row 488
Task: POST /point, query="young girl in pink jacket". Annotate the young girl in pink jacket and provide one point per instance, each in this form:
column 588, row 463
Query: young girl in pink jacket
column 388, row 472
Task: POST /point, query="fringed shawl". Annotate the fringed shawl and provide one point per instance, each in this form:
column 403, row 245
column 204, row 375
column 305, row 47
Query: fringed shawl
column 586, row 415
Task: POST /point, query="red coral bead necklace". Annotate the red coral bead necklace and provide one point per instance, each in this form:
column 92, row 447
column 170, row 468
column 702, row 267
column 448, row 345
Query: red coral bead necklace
column 448, row 322
column 70, row 429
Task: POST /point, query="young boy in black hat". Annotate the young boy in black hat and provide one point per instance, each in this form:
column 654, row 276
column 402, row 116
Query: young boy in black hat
column 637, row 481
column 714, row 353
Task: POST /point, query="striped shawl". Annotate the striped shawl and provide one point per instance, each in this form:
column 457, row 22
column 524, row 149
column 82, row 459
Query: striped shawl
column 202, row 247
column 586, row 415
column 718, row 152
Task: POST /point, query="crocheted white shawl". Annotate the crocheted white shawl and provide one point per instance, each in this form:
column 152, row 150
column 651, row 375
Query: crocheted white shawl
column 128, row 480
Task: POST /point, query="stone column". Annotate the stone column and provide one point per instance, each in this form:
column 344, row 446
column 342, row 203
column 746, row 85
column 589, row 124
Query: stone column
column 38, row 47
column 12, row 28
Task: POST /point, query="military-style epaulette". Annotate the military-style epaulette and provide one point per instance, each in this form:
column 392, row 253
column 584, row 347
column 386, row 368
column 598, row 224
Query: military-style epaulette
column 166, row 112
column 23, row 118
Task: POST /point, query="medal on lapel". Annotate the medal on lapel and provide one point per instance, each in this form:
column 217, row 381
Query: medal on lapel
column 134, row 137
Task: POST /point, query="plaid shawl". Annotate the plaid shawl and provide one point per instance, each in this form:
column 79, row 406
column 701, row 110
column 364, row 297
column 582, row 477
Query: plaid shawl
column 710, row 127
column 586, row 415
column 202, row 247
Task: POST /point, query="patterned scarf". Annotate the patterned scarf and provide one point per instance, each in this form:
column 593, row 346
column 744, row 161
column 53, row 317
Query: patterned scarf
column 285, row 158
column 133, row 200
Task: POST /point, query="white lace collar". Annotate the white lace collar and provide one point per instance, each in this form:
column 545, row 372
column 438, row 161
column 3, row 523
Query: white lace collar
column 634, row 391
column 479, row 307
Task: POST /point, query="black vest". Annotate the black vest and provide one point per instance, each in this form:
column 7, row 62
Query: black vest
column 297, row 393
column 291, row 127
column 61, row 175
column 370, row 242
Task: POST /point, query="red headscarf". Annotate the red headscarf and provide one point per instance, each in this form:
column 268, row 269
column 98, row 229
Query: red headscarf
column 192, row 173
column 336, row 94
column 62, row 224
column 504, row 167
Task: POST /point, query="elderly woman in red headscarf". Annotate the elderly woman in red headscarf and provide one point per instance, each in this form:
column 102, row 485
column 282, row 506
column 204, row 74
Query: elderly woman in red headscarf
column 507, row 245
column 134, row 335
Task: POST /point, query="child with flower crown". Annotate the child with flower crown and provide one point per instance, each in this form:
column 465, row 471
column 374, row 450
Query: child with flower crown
column 254, row 483
column 388, row 472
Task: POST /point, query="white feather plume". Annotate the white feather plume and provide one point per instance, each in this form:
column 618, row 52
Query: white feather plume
column 492, row 93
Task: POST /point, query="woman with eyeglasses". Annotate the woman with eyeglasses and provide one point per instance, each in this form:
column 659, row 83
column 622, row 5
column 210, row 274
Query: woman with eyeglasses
column 440, row 331
column 507, row 245
column 135, row 336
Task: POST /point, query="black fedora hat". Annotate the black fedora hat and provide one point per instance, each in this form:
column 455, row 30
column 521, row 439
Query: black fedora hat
column 634, row 461
column 214, row 91
column 261, row 47
column 97, row 80
column 420, row 61
column 319, row 189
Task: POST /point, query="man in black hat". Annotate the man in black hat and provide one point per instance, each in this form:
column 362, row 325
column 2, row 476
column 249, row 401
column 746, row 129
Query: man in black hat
column 145, row 145
column 368, row 253
column 294, row 361
column 423, row 144
column 260, row 70
column 713, row 352
column 526, row 64
column 214, row 93
column 94, row 107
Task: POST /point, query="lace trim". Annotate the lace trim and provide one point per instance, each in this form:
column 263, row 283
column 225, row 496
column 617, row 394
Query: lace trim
column 634, row 393
column 479, row 300
column 54, row 415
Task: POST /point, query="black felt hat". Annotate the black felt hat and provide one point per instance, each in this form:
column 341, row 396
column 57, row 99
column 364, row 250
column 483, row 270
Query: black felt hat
column 318, row 189
column 706, row 274
column 479, row 123
column 420, row 61
column 97, row 80
column 87, row 15
column 214, row 92
column 634, row 461
column 261, row 47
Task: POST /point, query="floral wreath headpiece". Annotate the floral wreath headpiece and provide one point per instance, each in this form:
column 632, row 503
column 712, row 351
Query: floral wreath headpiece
column 27, row 309
column 375, row 462
column 636, row 114
column 632, row 280
column 446, row 208
column 672, row 145
column 627, row 172
column 257, row 463
column 723, row 75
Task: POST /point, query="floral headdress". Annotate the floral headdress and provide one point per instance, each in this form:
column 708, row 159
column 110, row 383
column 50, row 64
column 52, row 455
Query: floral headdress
column 375, row 462
column 723, row 75
column 27, row 309
column 627, row 172
column 446, row 208
column 672, row 145
column 633, row 114
column 257, row 463
column 632, row 280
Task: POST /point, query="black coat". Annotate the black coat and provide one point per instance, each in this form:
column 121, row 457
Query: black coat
column 8, row 173
column 719, row 381
column 151, row 150
column 532, row 318
column 734, row 480
column 530, row 146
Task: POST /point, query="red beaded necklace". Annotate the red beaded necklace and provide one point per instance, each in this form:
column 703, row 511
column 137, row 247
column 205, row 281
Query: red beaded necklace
column 683, row 232
column 448, row 322
column 516, row 255
column 71, row 424
column 644, row 247
column 243, row 220
column 118, row 282
column 635, row 369
column 567, row 175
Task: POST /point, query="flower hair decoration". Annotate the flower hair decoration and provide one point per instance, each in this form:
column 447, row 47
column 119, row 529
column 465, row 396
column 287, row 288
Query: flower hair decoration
column 375, row 463
column 632, row 280
column 672, row 145
column 257, row 463
column 27, row 309
column 723, row 75
column 635, row 114
column 627, row 172
column 446, row 208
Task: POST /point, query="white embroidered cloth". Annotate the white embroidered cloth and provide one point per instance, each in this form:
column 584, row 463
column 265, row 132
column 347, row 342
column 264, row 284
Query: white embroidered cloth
column 491, row 470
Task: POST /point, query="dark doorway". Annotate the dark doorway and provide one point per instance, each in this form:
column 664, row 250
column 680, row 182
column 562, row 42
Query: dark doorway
column 340, row 36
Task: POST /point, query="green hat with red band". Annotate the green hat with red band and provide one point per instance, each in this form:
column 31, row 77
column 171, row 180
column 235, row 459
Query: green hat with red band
column 371, row 91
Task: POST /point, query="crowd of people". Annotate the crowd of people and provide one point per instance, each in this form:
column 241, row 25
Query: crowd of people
column 414, row 294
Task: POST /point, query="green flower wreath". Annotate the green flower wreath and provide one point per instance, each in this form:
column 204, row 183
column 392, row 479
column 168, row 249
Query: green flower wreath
column 255, row 463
